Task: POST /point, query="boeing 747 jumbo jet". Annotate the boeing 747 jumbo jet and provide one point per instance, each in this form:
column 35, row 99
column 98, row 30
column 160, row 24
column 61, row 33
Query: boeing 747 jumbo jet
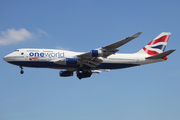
column 94, row 61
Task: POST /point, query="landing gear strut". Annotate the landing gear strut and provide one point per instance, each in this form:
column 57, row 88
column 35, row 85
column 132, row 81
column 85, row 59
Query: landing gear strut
column 21, row 70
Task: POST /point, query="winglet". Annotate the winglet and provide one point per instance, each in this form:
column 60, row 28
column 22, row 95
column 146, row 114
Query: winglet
column 161, row 55
column 137, row 35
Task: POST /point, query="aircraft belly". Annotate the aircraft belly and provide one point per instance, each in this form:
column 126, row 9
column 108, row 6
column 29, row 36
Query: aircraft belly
column 115, row 65
column 47, row 64
column 42, row 64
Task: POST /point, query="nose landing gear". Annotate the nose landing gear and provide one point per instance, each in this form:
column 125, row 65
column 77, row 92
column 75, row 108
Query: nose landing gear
column 21, row 70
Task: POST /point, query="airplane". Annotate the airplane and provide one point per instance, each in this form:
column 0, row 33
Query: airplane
column 95, row 61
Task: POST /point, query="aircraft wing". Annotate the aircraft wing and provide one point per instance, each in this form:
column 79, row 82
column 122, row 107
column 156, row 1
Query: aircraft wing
column 92, row 59
column 110, row 49
column 121, row 42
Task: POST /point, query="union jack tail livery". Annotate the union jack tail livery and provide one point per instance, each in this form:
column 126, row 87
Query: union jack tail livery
column 157, row 45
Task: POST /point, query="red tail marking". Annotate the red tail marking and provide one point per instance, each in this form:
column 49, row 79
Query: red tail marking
column 150, row 52
column 161, row 39
column 165, row 58
column 144, row 49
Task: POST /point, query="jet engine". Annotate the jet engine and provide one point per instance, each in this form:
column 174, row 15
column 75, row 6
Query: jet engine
column 102, row 52
column 96, row 53
column 65, row 73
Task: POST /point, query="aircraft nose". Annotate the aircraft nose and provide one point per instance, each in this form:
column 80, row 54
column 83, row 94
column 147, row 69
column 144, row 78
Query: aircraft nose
column 5, row 58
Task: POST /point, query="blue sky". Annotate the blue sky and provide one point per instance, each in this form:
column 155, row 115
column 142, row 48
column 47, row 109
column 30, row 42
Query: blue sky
column 148, row 92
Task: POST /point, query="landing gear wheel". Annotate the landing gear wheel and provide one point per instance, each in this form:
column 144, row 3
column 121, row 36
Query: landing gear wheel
column 84, row 74
column 79, row 76
column 21, row 71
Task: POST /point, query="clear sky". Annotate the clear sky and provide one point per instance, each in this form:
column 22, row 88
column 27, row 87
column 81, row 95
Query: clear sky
column 149, row 92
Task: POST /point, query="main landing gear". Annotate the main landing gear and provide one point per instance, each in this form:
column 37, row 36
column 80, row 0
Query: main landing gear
column 84, row 74
column 21, row 70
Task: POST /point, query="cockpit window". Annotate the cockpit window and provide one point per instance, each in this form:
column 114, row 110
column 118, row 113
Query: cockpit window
column 17, row 50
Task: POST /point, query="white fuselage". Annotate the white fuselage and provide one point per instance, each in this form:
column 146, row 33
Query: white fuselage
column 45, row 58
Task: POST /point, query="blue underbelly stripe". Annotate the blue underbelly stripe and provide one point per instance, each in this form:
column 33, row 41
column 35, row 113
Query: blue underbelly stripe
column 57, row 66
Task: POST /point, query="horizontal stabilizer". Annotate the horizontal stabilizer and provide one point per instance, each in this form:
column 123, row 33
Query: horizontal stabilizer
column 161, row 55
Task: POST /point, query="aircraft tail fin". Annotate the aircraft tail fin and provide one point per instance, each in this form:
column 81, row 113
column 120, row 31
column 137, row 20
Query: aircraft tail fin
column 157, row 45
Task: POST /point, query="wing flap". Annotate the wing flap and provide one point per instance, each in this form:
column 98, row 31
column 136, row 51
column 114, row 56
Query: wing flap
column 92, row 62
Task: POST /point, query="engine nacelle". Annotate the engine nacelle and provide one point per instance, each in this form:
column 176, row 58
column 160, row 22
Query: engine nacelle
column 96, row 53
column 103, row 52
column 71, row 61
column 65, row 73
